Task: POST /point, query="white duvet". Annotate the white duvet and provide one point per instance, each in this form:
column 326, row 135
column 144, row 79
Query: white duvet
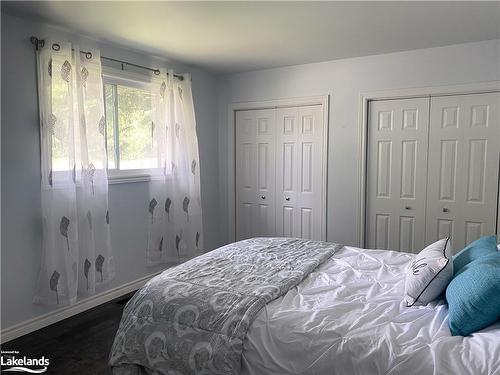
column 348, row 317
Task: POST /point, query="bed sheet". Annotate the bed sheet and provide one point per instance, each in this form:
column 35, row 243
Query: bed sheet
column 348, row 317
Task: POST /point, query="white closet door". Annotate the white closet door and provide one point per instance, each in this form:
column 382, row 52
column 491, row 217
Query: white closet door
column 255, row 173
column 463, row 175
column 299, row 172
column 397, row 173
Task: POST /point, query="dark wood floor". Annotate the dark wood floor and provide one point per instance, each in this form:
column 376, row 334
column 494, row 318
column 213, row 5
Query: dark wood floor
column 77, row 345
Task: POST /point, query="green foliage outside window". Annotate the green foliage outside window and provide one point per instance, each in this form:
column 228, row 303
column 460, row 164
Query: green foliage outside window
column 128, row 110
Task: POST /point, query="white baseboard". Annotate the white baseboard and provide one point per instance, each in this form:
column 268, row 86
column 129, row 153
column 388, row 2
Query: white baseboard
column 52, row 317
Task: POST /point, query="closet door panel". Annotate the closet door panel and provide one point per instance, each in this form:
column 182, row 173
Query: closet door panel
column 310, row 172
column 266, row 172
column 397, row 173
column 299, row 181
column 445, row 228
column 287, row 219
column 246, row 187
column 287, row 225
column 255, row 173
column 463, row 179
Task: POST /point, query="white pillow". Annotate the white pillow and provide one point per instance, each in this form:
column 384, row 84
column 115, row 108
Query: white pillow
column 498, row 246
column 429, row 273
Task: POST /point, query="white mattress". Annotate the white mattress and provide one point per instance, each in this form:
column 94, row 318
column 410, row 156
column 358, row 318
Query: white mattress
column 348, row 317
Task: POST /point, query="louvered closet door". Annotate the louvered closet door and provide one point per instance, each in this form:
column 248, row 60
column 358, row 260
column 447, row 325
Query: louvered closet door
column 463, row 175
column 397, row 173
column 255, row 173
column 299, row 173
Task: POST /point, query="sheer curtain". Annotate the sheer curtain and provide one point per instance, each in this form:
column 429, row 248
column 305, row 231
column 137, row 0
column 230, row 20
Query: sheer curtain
column 175, row 223
column 76, row 252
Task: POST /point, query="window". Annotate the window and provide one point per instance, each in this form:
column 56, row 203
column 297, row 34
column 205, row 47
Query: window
column 129, row 127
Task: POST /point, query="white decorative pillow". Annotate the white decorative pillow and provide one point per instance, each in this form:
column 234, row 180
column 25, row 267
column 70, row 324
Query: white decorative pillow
column 429, row 274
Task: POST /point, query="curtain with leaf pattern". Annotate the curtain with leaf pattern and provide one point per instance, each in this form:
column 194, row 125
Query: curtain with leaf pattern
column 174, row 208
column 76, row 252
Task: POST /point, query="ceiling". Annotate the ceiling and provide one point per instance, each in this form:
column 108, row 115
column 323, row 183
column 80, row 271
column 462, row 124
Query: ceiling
column 238, row 36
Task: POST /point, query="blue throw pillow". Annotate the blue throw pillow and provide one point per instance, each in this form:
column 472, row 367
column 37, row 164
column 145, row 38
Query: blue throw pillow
column 473, row 296
column 475, row 250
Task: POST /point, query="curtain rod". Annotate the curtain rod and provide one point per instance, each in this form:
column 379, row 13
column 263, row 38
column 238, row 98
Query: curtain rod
column 40, row 43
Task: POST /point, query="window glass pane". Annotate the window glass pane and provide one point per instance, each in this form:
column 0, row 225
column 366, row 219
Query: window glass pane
column 109, row 94
column 135, row 128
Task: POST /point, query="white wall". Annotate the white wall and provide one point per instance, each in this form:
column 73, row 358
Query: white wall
column 21, row 212
column 344, row 80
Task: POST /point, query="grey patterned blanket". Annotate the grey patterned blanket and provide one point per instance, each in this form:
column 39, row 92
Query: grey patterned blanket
column 192, row 319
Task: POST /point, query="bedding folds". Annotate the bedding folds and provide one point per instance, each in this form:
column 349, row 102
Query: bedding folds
column 347, row 318
column 194, row 318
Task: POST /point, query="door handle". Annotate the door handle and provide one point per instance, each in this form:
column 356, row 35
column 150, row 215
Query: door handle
column 445, row 209
column 287, row 198
column 263, row 196
column 408, row 208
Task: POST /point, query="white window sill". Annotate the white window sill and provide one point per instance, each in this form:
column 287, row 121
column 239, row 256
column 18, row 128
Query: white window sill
column 133, row 175
column 112, row 180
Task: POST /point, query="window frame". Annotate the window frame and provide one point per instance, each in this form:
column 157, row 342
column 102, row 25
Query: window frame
column 113, row 76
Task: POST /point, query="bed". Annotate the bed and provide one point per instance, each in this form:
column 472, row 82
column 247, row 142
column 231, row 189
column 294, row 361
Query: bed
column 337, row 310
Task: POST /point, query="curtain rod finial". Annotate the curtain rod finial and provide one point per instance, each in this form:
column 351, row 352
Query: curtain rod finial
column 37, row 42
